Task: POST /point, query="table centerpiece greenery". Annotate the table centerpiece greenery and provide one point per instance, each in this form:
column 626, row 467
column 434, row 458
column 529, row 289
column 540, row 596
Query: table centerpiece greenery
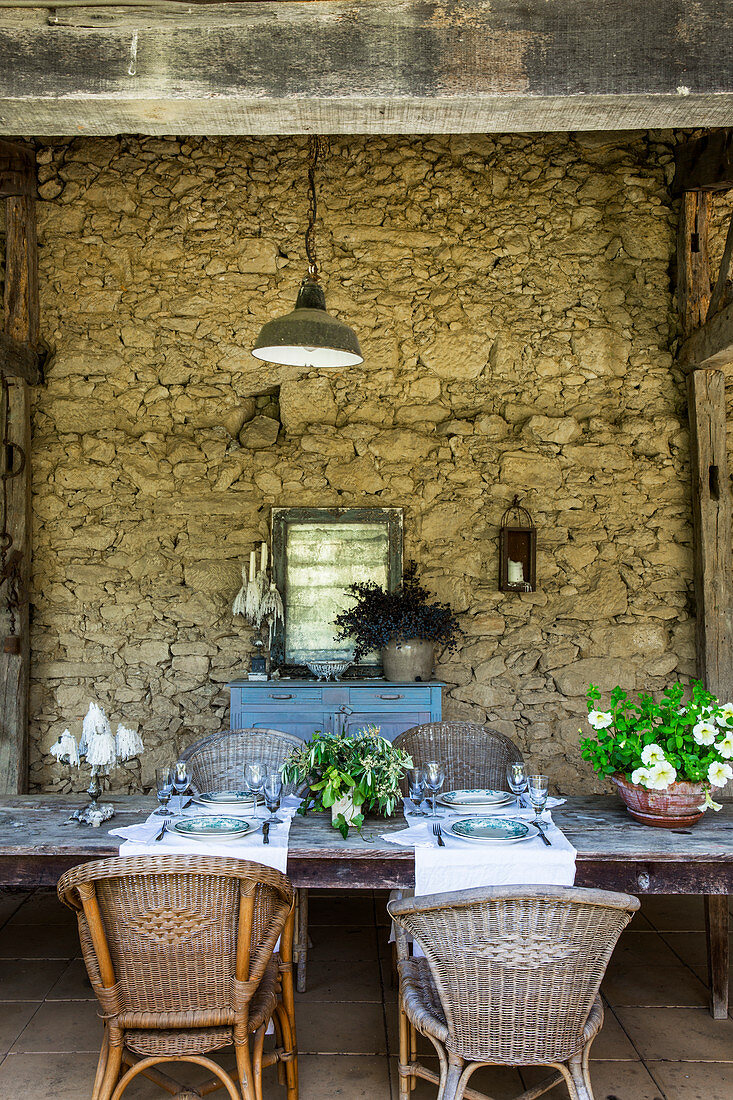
column 349, row 776
column 662, row 746
column 385, row 620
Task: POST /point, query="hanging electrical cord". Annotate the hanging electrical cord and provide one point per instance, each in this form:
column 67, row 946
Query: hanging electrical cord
column 317, row 147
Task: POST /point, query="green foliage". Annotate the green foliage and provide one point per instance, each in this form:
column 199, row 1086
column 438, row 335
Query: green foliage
column 672, row 723
column 367, row 766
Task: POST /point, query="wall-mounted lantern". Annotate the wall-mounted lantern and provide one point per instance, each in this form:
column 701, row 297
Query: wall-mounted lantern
column 517, row 550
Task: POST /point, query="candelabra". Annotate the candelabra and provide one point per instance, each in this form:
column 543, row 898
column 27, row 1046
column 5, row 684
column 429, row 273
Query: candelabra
column 259, row 601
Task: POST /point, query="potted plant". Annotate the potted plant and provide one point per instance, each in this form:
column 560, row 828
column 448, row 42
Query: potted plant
column 349, row 776
column 664, row 757
column 403, row 625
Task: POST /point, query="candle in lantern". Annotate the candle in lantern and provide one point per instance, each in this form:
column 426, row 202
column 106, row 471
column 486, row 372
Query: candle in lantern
column 263, row 557
column 515, row 572
column 252, row 565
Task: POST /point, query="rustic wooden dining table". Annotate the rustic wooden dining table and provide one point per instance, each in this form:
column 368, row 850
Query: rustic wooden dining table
column 614, row 853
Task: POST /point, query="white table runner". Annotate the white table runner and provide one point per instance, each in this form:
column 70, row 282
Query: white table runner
column 138, row 839
column 461, row 864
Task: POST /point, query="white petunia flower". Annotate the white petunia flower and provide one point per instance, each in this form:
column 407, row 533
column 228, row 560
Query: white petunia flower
column 640, row 776
column 719, row 774
column 704, row 732
column 726, row 714
column 600, row 719
column 652, row 754
column 725, row 747
column 661, row 776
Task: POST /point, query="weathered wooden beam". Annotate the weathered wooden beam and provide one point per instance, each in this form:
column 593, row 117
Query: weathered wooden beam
column 386, row 66
column 19, row 360
column 711, row 346
column 693, row 271
column 17, row 170
column 711, row 516
column 705, row 164
column 21, row 325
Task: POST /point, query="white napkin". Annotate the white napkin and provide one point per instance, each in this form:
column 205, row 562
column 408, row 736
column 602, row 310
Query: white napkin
column 138, row 839
column 462, row 864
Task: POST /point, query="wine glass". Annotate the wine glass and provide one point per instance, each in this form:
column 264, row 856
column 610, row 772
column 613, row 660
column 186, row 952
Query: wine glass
column 273, row 791
column 538, row 789
column 164, row 789
column 434, row 780
column 255, row 775
column 516, row 775
column 416, row 788
column 181, row 781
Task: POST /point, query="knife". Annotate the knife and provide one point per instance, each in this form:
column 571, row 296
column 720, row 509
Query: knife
column 265, row 832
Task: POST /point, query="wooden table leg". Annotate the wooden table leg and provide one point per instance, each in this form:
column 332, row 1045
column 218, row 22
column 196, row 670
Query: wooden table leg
column 716, row 927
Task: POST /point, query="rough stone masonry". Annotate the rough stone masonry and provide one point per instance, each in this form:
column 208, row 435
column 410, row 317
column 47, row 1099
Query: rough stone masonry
column 514, row 304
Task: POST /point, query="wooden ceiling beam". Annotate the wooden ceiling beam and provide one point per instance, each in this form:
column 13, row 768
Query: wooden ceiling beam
column 386, row 66
column 705, row 164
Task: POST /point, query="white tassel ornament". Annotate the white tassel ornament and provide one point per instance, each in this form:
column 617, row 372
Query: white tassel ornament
column 66, row 749
column 128, row 743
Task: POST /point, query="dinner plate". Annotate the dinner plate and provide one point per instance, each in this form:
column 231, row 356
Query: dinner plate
column 212, row 828
column 225, row 798
column 480, row 798
column 494, row 830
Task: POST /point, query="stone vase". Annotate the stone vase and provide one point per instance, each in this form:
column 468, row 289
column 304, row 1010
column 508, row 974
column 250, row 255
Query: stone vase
column 346, row 807
column 675, row 808
column 412, row 659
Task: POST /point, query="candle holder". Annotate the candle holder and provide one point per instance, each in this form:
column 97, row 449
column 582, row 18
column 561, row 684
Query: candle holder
column 101, row 749
column 260, row 602
column 517, row 550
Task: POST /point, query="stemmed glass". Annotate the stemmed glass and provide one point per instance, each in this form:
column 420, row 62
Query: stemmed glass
column 164, row 789
column 516, row 775
column 416, row 784
column 181, row 781
column 273, row 792
column 255, row 775
column 538, row 790
column 434, row 780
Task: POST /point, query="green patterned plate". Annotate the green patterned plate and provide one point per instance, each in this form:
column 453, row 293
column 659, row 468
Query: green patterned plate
column 494, row 830
column 475, row 799
column 225, row 798
column 212, row 828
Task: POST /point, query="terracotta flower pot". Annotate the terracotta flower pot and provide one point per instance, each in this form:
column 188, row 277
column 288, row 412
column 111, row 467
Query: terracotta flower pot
column 674, row 808
column 412, row 659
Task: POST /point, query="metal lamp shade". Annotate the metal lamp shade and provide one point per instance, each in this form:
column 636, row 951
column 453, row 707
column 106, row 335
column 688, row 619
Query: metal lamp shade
column 309, row 336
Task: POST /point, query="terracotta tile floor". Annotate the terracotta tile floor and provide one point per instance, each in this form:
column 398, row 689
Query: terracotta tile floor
column 658, row 1042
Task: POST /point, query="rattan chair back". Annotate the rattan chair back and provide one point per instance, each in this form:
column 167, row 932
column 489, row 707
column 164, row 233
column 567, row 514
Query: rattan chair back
column 473, row 755
column 217, row 762
column 516, row 969
column 176, row 941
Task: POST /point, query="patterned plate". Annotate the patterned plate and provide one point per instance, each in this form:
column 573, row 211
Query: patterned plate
column 494, row 830
column 464, row 800
column 225, row 798
column 223, row 828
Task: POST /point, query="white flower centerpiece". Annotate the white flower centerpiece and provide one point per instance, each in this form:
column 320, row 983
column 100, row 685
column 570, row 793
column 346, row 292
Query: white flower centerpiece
column 101, row 749
column 665, row 757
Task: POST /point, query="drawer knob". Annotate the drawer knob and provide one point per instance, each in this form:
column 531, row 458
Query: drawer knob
column 273, row 696
column 391, row 696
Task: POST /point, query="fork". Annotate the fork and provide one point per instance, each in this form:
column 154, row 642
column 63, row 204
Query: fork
column 541, row 830
column 438, row 832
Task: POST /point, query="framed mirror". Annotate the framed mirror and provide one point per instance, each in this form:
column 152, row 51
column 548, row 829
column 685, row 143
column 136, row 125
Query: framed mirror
column 316, row 554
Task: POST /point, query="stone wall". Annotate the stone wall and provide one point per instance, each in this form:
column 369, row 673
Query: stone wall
column 512, row 297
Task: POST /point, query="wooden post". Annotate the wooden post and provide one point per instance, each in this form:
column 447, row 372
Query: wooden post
column 711, row 518
column 21, row 323
column 693, row 268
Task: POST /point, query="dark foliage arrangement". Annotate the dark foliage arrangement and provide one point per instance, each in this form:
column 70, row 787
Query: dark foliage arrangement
column 378, row 616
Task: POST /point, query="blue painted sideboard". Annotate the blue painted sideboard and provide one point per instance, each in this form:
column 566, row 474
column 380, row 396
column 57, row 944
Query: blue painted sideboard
column 303, row 706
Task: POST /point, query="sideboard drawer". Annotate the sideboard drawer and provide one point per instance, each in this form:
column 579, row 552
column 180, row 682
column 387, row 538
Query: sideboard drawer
column 273, row 695
column 386, row 694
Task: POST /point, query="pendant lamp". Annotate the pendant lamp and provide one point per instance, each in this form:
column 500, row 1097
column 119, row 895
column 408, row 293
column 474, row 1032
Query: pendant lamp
column 308, row 336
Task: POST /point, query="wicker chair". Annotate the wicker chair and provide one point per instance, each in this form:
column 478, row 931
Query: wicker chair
column 473, row 755
column 180, row 951
column 217, row 762
column 510, row 977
